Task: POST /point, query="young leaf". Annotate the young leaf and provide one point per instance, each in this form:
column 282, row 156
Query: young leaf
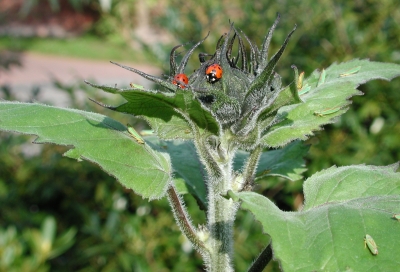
column 286, row 162
column 298, row 121
column 328, row 234
column 165, row 113
column 95, row 138
column 189, row 173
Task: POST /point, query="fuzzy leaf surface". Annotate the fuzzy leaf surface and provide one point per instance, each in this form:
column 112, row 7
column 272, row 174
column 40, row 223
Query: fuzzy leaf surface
column 300, row 120
column 286, row 162
column 188, row 172
column 328, row 235
column 96, row 138
column 166, row 113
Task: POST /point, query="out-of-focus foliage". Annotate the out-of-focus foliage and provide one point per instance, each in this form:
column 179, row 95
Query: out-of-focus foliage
column 117, row 230
column 33, row 248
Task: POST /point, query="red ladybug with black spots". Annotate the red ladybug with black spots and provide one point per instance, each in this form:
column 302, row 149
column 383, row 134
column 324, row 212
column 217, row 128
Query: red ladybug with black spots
column 180, row 80
column 214, row 73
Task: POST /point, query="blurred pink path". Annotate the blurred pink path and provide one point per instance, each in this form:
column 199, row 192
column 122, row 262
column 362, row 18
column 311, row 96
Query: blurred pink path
column 40, row 70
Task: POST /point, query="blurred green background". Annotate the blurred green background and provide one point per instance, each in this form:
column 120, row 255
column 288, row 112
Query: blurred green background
column 60, row 215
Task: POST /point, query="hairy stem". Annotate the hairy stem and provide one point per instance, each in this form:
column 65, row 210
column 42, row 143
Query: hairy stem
column 211, row 166
column 221, row 214
column 250, row 168
column 183, row 221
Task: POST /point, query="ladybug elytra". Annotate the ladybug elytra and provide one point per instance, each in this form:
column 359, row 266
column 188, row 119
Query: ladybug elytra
column 214, row 73
column 180, row 80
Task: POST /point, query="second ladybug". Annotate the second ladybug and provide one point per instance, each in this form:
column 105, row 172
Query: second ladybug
column 180, row 80
column 214, row 73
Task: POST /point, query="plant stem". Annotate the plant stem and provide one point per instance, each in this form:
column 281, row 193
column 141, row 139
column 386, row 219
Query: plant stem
column 183, row 221
column 221, row 214
column 250, row 168
column 262, row 260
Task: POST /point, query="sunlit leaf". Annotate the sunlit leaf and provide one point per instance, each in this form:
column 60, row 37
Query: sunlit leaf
column 95, row 138
column 299, row 121
column 343, row 205
column 166, row 112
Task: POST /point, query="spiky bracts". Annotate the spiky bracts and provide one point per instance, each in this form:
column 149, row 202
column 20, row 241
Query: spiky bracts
column 240, row 93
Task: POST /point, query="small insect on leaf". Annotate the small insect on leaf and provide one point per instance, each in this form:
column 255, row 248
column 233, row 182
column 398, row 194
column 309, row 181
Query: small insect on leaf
column 322, row 78
column 350, row 72
column 300, row 81
column 135, row 135
column 396, row 216
column 136, row 86
column 326, row 111
column 306, row 88
column 368, row 241
column 147, row 132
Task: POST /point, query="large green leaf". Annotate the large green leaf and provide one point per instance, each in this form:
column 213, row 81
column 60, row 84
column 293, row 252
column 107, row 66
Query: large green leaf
column 286, row 162
column 95, row 138
column 299, row 121
column 188, row 172
column 347, row 182
column 167, row 113
column 342, row 206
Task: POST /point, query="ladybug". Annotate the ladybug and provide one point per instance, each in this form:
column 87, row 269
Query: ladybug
column 180, row 80
column 213, row 73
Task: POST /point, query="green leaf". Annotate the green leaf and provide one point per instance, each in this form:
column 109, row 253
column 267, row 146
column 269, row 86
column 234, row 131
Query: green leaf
column 348, row 182
column 48, row 231
column 286, row 162
column 287, row 96
column 341, row 80
column 167, row 113
column 95, row 138
column 63, row 242
column 328, row 235
column 189, row 173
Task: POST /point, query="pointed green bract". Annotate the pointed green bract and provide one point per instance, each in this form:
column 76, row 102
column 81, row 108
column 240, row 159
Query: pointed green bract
column 265, row 76
column 95, row 138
